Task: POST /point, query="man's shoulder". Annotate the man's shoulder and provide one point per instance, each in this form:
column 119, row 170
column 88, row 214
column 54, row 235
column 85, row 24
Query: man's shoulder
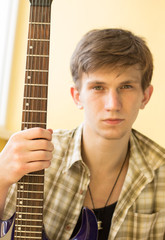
column 153, row 152
column 147, row 142
column 64, row 139
column 64, row 135
column 61, row 139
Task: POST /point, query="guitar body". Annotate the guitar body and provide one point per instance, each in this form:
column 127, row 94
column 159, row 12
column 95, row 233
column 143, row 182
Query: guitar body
column 88, row 230
column 7, row 230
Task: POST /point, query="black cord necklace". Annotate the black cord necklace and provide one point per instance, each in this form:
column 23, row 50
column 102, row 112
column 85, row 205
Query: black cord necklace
column 99, row 222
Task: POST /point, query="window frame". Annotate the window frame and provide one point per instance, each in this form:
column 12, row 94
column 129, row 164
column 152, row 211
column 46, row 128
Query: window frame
column 8, row 15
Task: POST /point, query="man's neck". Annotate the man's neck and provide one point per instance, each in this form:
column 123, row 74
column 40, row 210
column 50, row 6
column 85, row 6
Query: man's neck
column 103, row 155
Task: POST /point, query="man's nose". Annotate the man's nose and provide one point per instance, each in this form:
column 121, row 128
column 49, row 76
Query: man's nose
column 113, row 101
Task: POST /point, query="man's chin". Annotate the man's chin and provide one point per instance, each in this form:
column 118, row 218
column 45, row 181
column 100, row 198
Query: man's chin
column 114, row 134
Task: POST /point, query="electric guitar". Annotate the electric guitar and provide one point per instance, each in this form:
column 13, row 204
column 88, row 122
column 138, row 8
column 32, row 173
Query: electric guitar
column 27, row 223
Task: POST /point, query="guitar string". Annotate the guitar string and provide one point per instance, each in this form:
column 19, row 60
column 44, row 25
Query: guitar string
column 40, row 62
column 43, row 75
column 40, row 48
column 32, row 80
column 45, row 59
column 28, row 102
column 38, row 74
column 31, row 87
column 36, row 79
column 47, row 46
column 30, row 52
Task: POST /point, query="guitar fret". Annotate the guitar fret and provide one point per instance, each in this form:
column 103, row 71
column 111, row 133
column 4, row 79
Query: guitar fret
column 18, row 231
column 35, row 39
column 31, row 227
column 28, row 206
column 29, row 237
column 44, row 23
column 34, row 175
column 29, row 220
column 30, row 215
column 39, row 184
column 24, row 191
column 36, row 84
column 22, row 213
column 27, row 126
column 29, row 199
column 35, row 98
column 36, row 70
column 35, row 55
column 34, row 111
column 33, row 123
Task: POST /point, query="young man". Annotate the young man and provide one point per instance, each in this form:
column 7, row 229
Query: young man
column 104, row 164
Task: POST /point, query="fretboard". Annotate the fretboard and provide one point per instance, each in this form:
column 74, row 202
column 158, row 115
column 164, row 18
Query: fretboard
column 29, row 205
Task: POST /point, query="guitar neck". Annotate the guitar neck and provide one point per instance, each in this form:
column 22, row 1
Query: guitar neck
column 29, row 205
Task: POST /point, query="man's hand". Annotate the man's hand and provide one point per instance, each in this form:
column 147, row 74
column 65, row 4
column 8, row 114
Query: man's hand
column 26, row 151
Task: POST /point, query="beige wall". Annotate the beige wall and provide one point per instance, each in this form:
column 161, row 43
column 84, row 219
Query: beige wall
column 70, row 20
column 2, row 143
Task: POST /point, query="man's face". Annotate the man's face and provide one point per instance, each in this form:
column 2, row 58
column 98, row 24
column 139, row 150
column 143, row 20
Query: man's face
column 111, row 100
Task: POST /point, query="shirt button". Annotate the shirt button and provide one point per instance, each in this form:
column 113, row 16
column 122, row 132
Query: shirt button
column 81, row 191
column 68, row 227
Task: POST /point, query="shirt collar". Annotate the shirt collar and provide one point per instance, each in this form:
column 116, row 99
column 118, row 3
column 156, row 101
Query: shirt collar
column 138, row 152
column 73, row 153
column 145, row 154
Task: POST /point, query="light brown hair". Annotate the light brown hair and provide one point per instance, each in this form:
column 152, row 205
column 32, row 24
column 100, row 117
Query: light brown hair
column 111, row 48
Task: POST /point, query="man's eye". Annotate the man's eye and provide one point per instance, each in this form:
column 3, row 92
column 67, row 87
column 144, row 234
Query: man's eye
column 126, row 87
column 98, row 88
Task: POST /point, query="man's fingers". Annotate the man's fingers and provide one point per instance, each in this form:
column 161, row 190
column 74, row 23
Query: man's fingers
column 37, row 133
column 37, row 166
column 40, row 144
column 33, row 156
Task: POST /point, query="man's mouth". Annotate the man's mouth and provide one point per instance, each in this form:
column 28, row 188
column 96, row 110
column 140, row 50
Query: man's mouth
column 113, row 121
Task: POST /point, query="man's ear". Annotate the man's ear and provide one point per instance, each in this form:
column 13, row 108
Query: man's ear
column 146, row 96
column 76, row 96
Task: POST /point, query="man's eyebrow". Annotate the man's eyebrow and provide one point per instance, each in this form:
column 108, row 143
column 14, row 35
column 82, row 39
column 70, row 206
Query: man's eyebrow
column 136, row 81
column 96, row 82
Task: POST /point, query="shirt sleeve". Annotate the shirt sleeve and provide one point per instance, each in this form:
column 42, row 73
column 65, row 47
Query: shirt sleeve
column 10, row 205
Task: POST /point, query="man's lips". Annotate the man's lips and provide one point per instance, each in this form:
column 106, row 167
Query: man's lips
column 113, row 121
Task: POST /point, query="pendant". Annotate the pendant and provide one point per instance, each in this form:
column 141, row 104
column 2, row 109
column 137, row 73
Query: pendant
column 99, row 223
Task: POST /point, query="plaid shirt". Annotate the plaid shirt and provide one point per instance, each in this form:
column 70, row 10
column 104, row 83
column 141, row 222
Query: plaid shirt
column 140, row 211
